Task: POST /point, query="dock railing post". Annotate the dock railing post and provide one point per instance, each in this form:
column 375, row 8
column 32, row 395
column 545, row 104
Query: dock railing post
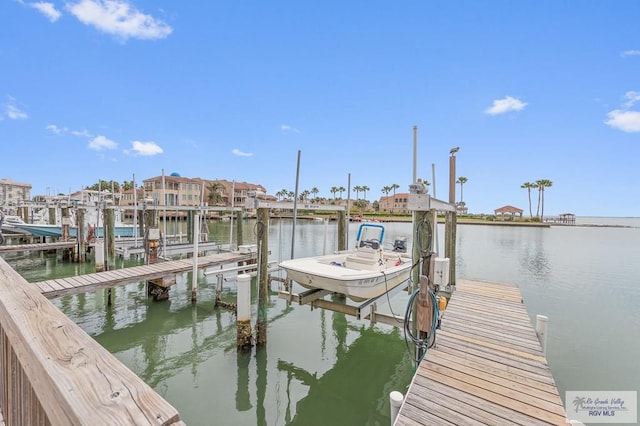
column 395, row 402
column 243, row 300
column 98, row 251
column 542, row 323
column 196, row 239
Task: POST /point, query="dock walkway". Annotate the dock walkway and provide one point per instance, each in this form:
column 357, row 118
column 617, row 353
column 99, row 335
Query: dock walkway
column 91, row 282
column 487, row 366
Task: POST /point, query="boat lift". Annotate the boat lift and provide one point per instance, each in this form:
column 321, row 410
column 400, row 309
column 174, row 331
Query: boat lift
column 366, row 310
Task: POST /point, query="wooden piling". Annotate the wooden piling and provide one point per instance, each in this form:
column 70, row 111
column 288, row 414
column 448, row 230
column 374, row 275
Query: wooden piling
column 81, row 247
column 190, row 228
column 239, row 234
column 66, row 224
column 342, row 230
column 52, row 215
column 450, row 244
column 108, row 234
column 262, row 228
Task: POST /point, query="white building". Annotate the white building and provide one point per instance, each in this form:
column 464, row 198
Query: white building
column 14, row 193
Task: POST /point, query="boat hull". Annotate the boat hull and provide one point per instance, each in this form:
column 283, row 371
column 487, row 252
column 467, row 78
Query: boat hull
column 56, row 231
column 329, row 273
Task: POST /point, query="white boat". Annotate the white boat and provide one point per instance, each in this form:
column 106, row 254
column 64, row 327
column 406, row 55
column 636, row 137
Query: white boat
column 92, row 202
column 363, row 273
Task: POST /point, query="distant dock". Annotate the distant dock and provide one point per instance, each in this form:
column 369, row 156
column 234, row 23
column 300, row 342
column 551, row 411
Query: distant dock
column 487, row 366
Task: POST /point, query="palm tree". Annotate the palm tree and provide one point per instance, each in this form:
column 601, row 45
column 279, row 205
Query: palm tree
column 542, row 184
column 333, row 190
column 529, row 186
column 386, row 190
column 304, row 194
column 341, row 190
column 315, row 191
column 364, row 190
column 461, row 180
column 214, row 193
column 394, row 186
column 281, row 194
column 357, row 189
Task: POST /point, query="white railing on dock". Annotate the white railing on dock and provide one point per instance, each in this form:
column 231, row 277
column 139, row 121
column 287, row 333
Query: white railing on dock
column 52, row 372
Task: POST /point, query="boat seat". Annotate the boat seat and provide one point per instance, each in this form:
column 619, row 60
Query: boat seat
column 363, row 258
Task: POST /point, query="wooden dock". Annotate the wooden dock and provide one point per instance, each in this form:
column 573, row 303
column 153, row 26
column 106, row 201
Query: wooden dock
column 91, row 282
column 37, row 246
column 487, row 366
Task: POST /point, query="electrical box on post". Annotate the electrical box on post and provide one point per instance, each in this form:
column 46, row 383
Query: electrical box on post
column 154, row 234
column 441, row 271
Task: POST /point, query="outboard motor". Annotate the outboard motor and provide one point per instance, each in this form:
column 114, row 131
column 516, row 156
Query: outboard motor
column 400, row 244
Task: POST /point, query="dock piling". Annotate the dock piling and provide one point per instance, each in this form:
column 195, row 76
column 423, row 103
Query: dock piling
column 395, row 402
column 244, row 337
column 542, row 323
column 262, row 230
column 196, row 240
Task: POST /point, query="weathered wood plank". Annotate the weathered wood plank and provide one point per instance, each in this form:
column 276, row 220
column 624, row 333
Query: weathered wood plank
column 505, row 370
column 517, row 383
column 116, row 277
column 73, row 379
column 487, row 366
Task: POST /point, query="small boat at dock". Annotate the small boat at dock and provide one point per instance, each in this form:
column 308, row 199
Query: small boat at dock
column 366, row 272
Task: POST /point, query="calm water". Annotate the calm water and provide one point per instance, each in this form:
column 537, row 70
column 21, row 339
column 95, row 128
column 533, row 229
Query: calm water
column 324, row 368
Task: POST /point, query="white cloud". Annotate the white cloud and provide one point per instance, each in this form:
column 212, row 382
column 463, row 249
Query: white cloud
column 82, row 133
column 146, row 149
column 239, row 153
column 55, row 129
column 630, row 53
column 119, row 18
column 47, row 9
column 287, row 128
column 627, row 121
column 631, row 97
column 623, row 119
column 65, row 130
column 501, row 106
column 14, row 113
column 100, row 142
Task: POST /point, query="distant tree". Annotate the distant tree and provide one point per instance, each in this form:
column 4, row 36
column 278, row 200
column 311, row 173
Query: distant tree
column 362, row 205
column 529, row 186
column 281, row 194
column 314, row 192
column 303, row 195
column 394, row 186
column 542, row 184
column 104, row 185
column 334, row 191
column 364, row 189
column 341, row 190
column 127, row 185
column 357, row 189
column 386, row 190
column 461, row 180
column 214, row 196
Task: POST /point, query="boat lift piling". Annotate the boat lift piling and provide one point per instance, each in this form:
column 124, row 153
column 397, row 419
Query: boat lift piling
column 262, row 234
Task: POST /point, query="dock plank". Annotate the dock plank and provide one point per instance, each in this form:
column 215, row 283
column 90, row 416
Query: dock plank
column 107, row 279
column 487, row 366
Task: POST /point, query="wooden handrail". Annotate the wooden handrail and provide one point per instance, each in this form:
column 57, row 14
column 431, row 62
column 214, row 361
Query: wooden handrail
column 52, row 372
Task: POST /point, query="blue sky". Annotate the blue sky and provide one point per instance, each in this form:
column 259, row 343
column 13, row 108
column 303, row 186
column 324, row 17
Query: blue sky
column 99, row 89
